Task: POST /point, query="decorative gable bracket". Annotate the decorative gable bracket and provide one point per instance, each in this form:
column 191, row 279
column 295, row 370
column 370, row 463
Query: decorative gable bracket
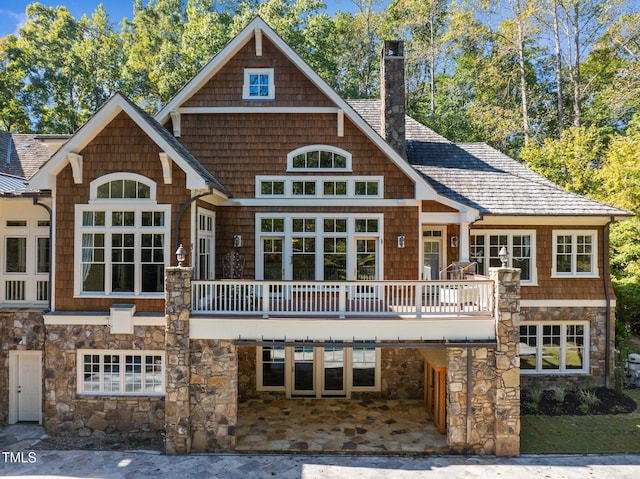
column 175, row 121
column 75, row 161
column 258, row 34
column 166, row 168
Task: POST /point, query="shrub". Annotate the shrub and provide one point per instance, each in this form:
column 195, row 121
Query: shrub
column 559, row 393
column 588, row 399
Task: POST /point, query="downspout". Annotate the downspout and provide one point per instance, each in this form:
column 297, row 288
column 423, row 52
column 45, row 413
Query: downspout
column 606, row 280
column 49, row 283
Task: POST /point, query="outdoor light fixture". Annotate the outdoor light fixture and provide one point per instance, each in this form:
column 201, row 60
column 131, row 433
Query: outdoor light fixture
column 237, row 241
column 401, row 241
column 454, row 241
column 181, row 254
column 504, row 256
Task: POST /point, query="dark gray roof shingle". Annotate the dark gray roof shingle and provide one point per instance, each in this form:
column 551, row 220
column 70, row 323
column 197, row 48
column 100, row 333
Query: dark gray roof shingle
column 22, row 154
column 180, row 149
column 483, row 178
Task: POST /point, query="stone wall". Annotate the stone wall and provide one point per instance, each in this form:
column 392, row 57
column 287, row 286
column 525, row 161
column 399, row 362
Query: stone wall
column 66, row 411
column 20, row 330
column 202, row 390
column 492, row 376
column 214, row 395
column 598, row 346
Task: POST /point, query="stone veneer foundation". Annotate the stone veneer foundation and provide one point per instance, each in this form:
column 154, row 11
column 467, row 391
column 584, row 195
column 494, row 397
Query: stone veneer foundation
column 66, row 411
column 488, row 422
column 598, row 345
column 20, row 330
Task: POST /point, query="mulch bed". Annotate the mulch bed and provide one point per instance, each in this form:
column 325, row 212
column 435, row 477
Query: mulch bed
column 609, row 401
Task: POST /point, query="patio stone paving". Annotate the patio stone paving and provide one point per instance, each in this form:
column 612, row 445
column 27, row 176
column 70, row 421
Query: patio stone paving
column 337, row 425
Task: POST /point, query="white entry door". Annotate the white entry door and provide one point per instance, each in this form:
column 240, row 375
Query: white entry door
column 25, row 386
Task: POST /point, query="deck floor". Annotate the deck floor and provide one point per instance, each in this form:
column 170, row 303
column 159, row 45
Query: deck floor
column 337, row 425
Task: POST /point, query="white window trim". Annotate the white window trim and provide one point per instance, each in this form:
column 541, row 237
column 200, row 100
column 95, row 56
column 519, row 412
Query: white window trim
column 31, row 232
column 258, row 71
column 563, row 345
column 137, row 205
column 533, row 281
column 595, row 271
column 93, row 187
column 351, row 234
column 122, row 353
column 319, row 183
column 318, row 364
column 306, row 149
column 209, row 235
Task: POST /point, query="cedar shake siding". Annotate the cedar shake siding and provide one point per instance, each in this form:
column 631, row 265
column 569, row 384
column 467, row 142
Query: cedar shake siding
column 237, row 147
column 121, row 146
column 563, row 288
column 399, row 264
column 291, row 86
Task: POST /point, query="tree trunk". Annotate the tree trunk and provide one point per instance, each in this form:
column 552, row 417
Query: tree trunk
column 558, row 67
column 523, row 80
column 577, row 103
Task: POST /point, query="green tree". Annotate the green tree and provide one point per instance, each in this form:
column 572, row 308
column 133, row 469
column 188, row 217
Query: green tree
column 572, row 161
column 13, row 114
column 47, row 55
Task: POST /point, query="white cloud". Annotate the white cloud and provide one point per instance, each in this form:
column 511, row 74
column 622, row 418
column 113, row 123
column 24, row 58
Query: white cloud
column 17, row 19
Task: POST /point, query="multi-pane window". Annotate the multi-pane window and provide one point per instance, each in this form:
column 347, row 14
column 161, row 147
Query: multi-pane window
column 122, row 246
column 367, row 188
column 302, row 248
column 26, row 261
column 334, row 188
column 547, row 347
column 574, row 253
column 258, row 84
column 485, row 246
column 305, row 370
column 303, row 188
column 364, row 368
column 319, row 159
column 121, row 373
column 272, row 188
column 273, row 367
column 296, row 186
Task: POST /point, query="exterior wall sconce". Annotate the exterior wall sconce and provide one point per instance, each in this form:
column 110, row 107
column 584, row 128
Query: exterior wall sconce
column 504, row 256
column 181, row 254
column 454, row 241
column 237, row 241
column 401, row 243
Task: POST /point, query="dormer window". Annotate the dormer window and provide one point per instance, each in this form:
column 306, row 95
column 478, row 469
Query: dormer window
column 258, row 84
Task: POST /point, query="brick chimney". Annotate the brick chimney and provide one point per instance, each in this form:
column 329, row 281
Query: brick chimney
column 392, row 95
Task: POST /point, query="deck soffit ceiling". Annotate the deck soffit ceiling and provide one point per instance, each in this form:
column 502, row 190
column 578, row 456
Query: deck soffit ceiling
column 423, row 190
column 198, row 178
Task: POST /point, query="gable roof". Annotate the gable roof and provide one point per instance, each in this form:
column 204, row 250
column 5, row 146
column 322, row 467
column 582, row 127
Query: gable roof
column 483, row 178
column 198, row 177
column 423, row 189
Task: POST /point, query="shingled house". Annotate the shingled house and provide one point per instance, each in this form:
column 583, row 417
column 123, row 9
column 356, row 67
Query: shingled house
column 332, row 249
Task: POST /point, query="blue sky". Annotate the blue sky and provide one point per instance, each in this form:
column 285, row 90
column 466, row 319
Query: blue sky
column 12, row 11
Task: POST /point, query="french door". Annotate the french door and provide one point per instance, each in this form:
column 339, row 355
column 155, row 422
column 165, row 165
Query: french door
column 318, row 372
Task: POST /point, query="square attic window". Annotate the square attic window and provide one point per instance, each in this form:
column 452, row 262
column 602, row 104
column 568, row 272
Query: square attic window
column 258, row 84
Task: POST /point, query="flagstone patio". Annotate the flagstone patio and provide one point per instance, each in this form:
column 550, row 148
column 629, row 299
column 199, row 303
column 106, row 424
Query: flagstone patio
column 337, row 425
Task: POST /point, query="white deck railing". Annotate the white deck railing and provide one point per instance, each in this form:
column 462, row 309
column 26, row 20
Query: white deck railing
column 415, row 299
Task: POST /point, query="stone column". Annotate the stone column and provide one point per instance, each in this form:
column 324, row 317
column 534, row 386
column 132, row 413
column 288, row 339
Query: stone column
column 178, row 363
column 507, row 407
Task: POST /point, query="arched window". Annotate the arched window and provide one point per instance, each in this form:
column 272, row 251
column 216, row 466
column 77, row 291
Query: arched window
column 319, row 158
column 122, row 238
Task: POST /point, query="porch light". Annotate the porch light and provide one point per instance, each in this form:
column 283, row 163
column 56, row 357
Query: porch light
column 181, row 254
column 504, row 256
column 237, row 241
column 401, row 241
